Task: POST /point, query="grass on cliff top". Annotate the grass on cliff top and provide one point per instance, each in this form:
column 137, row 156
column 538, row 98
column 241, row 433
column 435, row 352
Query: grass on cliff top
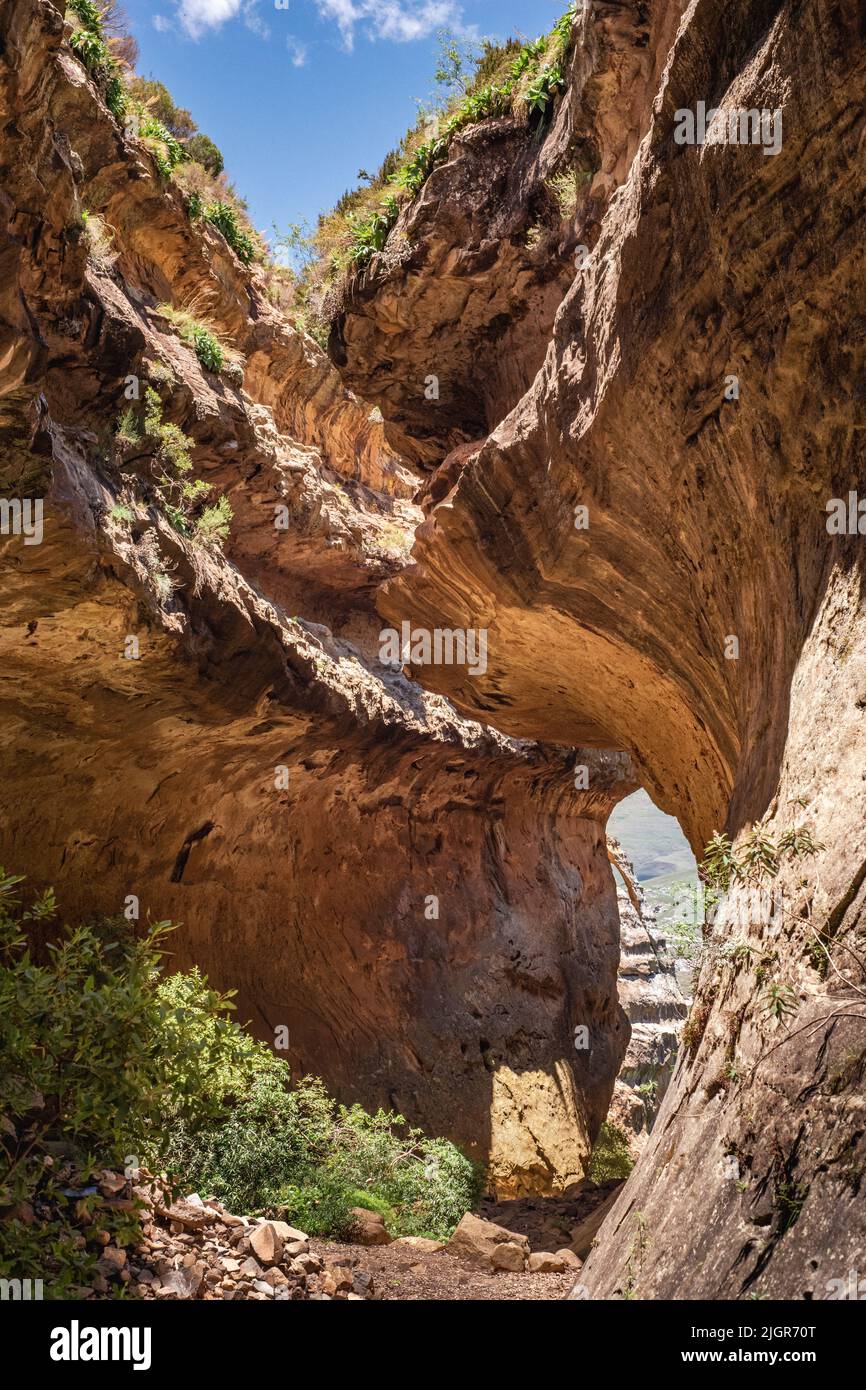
column 102, row 43
column 112, row 1062
column 509, row 78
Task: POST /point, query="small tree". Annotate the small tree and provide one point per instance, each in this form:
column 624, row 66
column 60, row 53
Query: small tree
column 203, row 150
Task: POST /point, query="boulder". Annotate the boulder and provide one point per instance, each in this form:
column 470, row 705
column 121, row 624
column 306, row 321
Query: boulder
column 421, row 1245
column 476, row 1241
column 509, row 1256
column 543, row 1262
column 267, row 1243
column 368, row 1227
column 570, row 1259
column 289, row 1234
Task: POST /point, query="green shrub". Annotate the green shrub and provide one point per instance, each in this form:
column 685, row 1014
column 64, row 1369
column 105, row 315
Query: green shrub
column 165, row 147
column 203, row 150
column 128, row 428
column 208, row 349
column 86, row 12
column 108, row 1063
column 154, row 99
column 369, row 235
column 543, row 89
column 80, row 1073
column 610, row 1156
column 178, row 494
column 213, row 525
column 173, row 448
column 89, row 45
column 224, row 218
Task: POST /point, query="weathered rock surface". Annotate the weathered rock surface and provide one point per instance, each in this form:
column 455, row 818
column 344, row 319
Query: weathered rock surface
column 422, row 902
column 701, row 397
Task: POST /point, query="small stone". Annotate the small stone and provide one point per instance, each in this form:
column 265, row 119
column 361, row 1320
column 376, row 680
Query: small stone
column 368, row 1227
column 184, row 1283
column 267, row 1243
column 112, row 1260
column 509, row 1256
column 421, row 1245
column 543, row 1262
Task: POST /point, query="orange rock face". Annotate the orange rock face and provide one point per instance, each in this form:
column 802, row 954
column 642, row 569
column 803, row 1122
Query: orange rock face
column 415, row 906
column 650, row 538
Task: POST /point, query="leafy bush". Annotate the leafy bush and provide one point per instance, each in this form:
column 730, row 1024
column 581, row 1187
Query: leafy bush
column 167, row 151
column 369, row 235
column 178, row 494
column 213, row 525
column 203, row 150
column 109, row 1063
column 207, row 348
column 610, row 1157
column 543, row 89
column 225, row 220
column 80, row 1073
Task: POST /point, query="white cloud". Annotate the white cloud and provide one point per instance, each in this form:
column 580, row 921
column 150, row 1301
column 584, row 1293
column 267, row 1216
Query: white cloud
column 161, row 24
column 399, row 20
column 197, row 16
column 299, row 51
column 254, row 21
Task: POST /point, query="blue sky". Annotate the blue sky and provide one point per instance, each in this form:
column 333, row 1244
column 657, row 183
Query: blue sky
column 300, row 98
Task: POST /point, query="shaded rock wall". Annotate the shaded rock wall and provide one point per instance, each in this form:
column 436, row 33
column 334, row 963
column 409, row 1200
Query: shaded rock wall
column 248, row 770
column 706, row 512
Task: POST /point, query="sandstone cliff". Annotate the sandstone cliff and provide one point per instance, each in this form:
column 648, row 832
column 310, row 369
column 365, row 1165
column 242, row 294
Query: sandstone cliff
column 644, row 405
column 645, row 537
column 424, row 903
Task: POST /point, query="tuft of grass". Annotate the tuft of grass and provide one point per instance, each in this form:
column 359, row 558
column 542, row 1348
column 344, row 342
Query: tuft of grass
column 213, row 525
column 202, row 337
column 128, row 429
column 99, row 240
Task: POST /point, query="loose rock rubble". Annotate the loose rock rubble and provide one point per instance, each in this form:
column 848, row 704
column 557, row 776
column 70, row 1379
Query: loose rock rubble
column 194, row 1249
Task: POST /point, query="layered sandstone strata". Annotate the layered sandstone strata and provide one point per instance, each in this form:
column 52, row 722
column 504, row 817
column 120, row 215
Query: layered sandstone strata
column 423, row 903
column 645, row 537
